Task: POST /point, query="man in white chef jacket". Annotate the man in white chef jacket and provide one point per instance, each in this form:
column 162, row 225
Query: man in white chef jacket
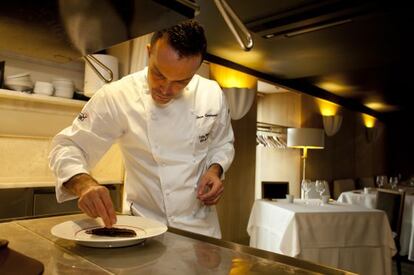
column 174, row 131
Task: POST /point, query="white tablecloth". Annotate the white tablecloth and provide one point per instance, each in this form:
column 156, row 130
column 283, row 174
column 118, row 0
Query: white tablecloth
column 344, row 236
column 407, row 228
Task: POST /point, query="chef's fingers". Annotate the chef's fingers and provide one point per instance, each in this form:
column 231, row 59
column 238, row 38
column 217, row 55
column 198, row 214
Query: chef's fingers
column 92, row 202
column 202, row 186
column 215, row 187
column 214, row 200
column 109, row 207
column 101, row 211
column 104, row 206
column 88, row 210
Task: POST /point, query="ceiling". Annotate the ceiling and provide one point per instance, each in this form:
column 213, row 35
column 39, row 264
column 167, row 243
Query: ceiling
column 349, row 52
column 354, row 53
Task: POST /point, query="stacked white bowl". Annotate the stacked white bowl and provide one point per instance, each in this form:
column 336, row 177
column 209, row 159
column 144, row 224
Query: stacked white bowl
column 19, row 82
column 63, row 87
column 43, row 88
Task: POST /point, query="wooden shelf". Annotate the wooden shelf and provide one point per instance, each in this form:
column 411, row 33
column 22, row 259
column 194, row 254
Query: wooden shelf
column 21, row 96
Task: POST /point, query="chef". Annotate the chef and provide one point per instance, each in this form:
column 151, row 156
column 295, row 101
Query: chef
column 174, row 131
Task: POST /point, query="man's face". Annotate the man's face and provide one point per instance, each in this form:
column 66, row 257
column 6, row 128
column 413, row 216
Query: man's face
column 168, row 74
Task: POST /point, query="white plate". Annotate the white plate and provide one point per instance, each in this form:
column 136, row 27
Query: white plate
column 18, row 75
column 75, row 231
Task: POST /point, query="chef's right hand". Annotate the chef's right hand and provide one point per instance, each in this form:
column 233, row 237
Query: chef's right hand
column 94, row 199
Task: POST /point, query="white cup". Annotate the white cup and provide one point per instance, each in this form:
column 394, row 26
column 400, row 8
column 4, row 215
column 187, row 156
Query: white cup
column 366, row 190
column 44, row 88
column 65, row 92
column 289, row 198
column 325, row 199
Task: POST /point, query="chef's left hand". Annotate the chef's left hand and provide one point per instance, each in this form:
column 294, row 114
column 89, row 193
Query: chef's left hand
column 210, row 187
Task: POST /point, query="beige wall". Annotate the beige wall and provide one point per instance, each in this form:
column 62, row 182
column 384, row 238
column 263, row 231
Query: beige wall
column 281, row 109
column 24, row 163
column 277, row 164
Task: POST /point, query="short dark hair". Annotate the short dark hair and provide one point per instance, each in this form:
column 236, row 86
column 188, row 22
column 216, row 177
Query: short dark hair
column 187, row 38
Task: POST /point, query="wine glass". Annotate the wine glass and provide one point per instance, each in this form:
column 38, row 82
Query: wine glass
column 320, row 187
column 393, row 182
column 381, row 181
column 306, row 186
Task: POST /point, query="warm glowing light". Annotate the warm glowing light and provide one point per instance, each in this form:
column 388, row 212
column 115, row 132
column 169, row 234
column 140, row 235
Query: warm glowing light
column 327, row 108
column 380, row 106
column 338, row 88
column 240, row 266
column 229, row 78
column 332, row 87
column 369, row 121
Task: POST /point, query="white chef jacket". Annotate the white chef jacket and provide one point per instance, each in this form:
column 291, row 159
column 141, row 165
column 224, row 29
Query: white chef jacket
column 166, row 148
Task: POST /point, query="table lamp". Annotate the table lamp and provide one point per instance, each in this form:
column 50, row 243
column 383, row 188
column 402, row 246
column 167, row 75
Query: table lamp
column 305, row 138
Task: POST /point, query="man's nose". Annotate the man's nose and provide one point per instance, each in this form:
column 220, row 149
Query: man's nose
column 166, row 88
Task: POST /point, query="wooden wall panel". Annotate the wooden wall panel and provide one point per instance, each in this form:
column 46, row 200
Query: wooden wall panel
column 237, row 201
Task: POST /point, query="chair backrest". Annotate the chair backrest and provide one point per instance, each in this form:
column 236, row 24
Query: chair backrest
column 366, row 182
column 342, row 185
column 275, row 189
column 392, row 203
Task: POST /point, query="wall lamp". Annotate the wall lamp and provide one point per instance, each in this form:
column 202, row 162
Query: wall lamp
column 239, row 89
column 370, row 129
column 332, row 121
column 332, row 124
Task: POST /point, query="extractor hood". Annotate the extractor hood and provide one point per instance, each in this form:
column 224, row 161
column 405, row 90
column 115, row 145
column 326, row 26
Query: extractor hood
column 65, row 30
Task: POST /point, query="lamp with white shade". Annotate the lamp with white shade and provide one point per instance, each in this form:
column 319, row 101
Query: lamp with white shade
column 305, row 138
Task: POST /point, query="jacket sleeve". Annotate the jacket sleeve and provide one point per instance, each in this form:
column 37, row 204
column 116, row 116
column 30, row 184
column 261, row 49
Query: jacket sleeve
column 79, row 147
column 221, row 150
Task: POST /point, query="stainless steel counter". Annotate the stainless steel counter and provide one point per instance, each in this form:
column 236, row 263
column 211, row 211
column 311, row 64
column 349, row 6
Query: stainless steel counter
column 176, row 252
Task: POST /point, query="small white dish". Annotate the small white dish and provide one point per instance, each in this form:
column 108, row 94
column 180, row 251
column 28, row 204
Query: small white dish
column 18, row 87
column 76, row 231
column 22, row 75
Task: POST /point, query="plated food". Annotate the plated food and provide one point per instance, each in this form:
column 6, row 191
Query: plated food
column 128, row 230
column 112, row 232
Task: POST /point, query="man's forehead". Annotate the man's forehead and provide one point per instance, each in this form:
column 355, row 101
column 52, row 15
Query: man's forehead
column 166, row 61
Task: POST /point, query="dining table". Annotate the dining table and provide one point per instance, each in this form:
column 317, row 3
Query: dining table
column 345, row 236
column 33, row 246
column 369, row 199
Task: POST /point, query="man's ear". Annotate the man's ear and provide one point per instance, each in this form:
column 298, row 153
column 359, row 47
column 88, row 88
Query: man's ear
column 149, row 49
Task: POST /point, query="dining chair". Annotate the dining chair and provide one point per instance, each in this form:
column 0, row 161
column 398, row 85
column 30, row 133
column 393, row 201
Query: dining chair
column 392, row 203
column 342, row 185
column 366, row 182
